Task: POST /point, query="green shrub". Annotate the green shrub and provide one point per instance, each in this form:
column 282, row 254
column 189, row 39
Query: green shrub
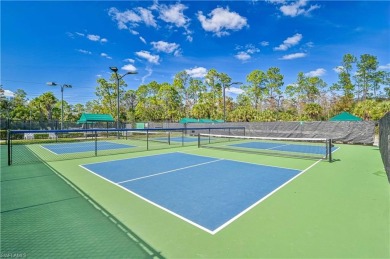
column 3, row 134
column 41, row 135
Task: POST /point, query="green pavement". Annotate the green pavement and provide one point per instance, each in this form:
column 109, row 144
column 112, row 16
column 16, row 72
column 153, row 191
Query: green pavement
column 332, row 210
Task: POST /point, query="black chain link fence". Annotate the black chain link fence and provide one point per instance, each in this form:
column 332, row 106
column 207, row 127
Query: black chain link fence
column 384, row 139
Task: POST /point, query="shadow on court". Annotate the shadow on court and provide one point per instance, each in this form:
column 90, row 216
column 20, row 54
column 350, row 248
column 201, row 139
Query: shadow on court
column 44, row 215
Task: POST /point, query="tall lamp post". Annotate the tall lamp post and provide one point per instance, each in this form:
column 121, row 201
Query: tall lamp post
column 224, row 101
column 115, row 70
column 62, row 98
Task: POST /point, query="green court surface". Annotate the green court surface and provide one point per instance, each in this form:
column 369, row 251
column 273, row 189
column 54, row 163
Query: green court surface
column 332, row 210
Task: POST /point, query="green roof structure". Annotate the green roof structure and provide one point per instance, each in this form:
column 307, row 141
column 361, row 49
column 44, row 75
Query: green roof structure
column 345, row 116
column 91, row 117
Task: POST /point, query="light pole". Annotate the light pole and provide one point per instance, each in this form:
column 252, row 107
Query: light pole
column 224, row 101
column 115, row 70
column 62, row 98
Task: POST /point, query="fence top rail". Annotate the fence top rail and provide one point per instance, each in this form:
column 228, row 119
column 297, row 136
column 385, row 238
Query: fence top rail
column 115, row 130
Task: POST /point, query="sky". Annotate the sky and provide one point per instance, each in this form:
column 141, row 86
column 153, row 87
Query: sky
column 69, row 42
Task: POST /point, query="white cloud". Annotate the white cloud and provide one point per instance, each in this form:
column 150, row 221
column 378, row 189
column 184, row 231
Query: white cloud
column 130, row 60
column 316, row 73
column 142, row 39
column 84, row 51
column 264, row 43
column 197, row 72
column 297, row 8
column 245, row 52
column 93, row 37
column 293, row 56
column 8, row 93
column 147, row 16
column 385, row 67
column 132, row 17
column 289, row 42
column 150, row 72
column 242, row 55
column 174, row 14
column 276, row 1
column 148, row 56
column 134, row 32
column 234, row 90
column 129, row 68
column 166, row 47
column 105, row 55
column 221, row 20
column 338, row 69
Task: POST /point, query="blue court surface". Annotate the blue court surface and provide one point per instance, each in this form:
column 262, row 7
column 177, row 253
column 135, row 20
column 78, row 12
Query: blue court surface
column 77, row 147
column 204, row 191
column 294, row 148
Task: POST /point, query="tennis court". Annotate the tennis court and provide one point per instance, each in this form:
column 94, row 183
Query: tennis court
column 78, row 147
column 285, row 147
column 213, row 200
column 179, row 139
column 208, row 186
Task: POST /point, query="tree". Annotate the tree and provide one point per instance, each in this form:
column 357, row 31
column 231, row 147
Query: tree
column 345, row 84
column 313, row 111
column 107, row 94
column 195, row 91
column 256, row 89
column 45, row 105
column 148, row 105
column 366, row 74
column 273, row 84
column 170, row 102
column 181, row 82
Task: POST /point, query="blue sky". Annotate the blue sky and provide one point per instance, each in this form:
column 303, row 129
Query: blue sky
column 75, row 42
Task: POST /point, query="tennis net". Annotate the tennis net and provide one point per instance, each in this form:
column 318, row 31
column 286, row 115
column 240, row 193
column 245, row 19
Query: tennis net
column 53, row 145
column 316, row 148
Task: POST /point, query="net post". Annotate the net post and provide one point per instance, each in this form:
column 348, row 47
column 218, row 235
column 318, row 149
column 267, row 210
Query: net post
column 95, row 143
column 169, row 138
column 147, row 139
column 182, row 138
column 198, row 140
column 329, row 151
column 9, row 147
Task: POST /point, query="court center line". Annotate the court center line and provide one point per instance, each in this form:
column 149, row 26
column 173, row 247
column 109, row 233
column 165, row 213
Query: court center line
column 170, row 171
column 278, row 146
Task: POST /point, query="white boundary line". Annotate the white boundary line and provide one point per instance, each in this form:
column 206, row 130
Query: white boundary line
column 49, row 150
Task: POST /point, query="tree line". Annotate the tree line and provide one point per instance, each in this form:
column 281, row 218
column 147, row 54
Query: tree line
column 362, row 89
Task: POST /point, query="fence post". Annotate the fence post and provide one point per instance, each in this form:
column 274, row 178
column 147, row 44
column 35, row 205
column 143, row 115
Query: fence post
column 9, row 147
column 147, row 139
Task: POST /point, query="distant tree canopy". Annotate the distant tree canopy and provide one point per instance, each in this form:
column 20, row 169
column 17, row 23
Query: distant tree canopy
column 361, row 89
